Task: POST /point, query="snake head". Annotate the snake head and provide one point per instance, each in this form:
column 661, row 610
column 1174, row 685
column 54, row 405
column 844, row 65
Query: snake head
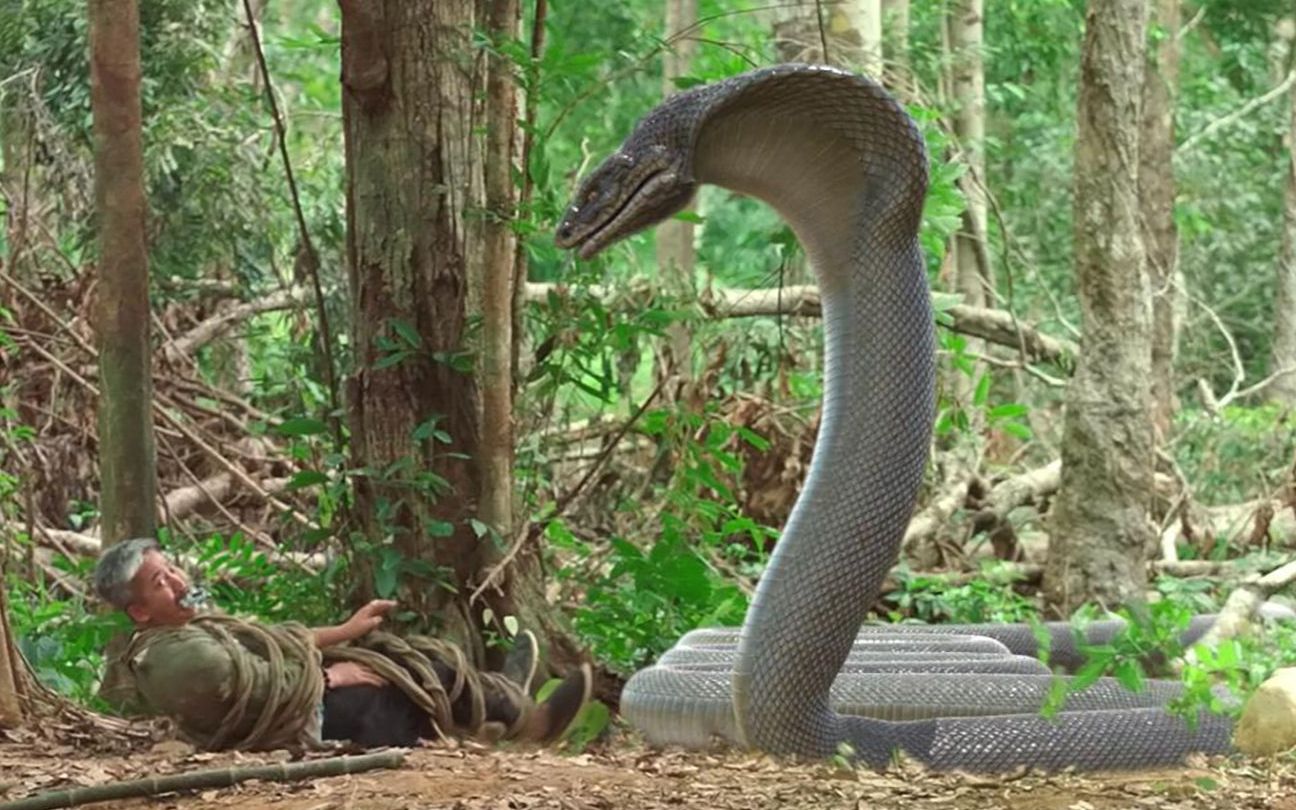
column 635, row 188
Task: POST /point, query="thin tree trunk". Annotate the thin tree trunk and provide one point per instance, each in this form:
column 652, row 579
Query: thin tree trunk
column 675, row 253
column 968, row 86
column 17, row 143
column 963, row 23
column 870, row 28
column 499, row 249
column 12, row 712
column 126, row 449
column 895, row 25
column 1156, row 202
column 1283, row 388
column 1100, row 530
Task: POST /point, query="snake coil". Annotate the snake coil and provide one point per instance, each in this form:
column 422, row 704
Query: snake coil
column 846, row 166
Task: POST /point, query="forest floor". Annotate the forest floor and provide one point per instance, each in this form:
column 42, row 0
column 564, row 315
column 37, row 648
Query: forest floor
column 625, row 776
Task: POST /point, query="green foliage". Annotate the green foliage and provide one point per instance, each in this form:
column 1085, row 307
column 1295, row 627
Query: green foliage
column 244, row 580
column 63, row 639
column 932, row 599
column 1242, row 451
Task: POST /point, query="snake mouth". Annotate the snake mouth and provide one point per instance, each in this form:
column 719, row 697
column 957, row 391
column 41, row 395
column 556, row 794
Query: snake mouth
column 623, row 221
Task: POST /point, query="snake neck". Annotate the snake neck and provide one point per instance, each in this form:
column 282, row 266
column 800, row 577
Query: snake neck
column 844, row 166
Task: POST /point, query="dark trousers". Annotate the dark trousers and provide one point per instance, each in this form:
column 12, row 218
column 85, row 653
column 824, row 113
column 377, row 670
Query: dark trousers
column 375, row 716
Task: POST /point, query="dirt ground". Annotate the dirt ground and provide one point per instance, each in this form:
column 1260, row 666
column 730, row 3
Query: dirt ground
column 625, row 775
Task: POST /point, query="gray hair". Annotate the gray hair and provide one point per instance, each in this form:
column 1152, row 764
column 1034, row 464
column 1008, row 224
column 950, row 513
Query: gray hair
column 117, row 566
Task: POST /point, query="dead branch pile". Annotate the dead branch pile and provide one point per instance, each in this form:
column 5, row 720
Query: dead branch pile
column 220, row 468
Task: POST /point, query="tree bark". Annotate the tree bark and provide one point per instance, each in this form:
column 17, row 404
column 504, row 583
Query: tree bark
column 499, row 254
column 1283, row 354
column 126, row 448
column 1156, row 202
column 1100, row 531
column 844, row 34
column 411, row 189
column 17, row 169
column 12, row 712
column 675, row 253
column 895, row 24
column 967, row 84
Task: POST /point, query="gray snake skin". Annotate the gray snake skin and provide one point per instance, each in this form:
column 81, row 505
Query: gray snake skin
column 846, row 166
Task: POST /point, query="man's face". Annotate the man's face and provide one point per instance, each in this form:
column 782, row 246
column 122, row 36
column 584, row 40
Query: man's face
column 157, row 588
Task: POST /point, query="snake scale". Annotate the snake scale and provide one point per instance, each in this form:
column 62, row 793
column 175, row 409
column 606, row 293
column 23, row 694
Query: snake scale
column 846, row 166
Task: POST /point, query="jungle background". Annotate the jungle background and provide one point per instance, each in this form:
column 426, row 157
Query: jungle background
column 367, row 371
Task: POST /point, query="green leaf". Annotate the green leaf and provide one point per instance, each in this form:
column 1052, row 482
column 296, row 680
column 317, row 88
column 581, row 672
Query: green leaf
column 1017, row 429
column 407, row 332
column 1130, row 674
column 439, row 528
column 1091, row 671
column 982, row 390
column 1007, row 411
column 301, row 426
column 480, row 529
column 387, row 572
column 307, row 478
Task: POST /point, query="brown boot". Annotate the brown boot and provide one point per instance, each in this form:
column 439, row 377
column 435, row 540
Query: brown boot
column 550, row 721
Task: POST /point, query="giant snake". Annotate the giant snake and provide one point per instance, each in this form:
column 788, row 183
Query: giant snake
column 846, row 167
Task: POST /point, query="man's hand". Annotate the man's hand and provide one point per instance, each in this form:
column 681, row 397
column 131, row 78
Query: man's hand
column 368, row 617
column 349, row 673
column 362, row 621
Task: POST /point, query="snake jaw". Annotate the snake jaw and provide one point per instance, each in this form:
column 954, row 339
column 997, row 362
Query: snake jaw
column 630, row 191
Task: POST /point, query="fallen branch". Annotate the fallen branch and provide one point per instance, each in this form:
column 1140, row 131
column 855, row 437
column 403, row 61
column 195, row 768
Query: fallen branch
column 994, row 325
column 1029, row 487
column 222, row 322
column 919, row 537
column 208, row 778
column 1243, row 604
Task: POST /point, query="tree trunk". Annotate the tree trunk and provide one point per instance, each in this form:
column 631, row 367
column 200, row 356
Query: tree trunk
column 834, row 33
column 1156, row 202
column 1283, row 388
column 870, row 28
column 967, row 85
column 17, row 144
column 12, row 712
column 895, row 16
column 1100, row 531
column 126, row 450
column 675, row 254
column 423, row 111
column 499, row 254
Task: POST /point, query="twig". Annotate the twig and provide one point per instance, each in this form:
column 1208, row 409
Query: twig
column 35, row 299
column 1193, row 23
column 307, row 247
column 208, row 778
column 173, row 500
column 565, row 500
column 1224, row 120
column 1239, row 371
column 234, row 469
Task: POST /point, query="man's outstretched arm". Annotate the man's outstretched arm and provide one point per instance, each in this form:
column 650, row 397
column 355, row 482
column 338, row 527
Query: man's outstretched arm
column 362, row 621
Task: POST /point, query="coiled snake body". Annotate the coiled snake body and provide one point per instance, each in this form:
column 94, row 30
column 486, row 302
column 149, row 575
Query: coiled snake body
column 846, row 166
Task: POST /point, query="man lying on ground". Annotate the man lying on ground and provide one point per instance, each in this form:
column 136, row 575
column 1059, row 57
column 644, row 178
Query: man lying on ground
column 231, row 683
